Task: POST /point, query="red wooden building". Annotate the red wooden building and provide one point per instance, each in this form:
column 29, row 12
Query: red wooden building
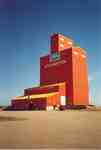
column 63, row 78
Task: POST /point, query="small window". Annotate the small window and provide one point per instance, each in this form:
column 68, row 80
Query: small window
column 55, row 56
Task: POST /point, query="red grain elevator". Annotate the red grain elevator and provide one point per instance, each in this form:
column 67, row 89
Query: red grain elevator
column 63, row 78
column 66, row 63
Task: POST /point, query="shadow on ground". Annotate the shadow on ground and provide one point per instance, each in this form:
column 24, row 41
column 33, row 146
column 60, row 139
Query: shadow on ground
column 7, row 118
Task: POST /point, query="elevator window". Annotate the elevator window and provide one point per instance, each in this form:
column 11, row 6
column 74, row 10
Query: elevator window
column 55, row 56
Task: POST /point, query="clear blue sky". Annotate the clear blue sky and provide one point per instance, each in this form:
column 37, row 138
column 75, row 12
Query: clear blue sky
column 25, row 28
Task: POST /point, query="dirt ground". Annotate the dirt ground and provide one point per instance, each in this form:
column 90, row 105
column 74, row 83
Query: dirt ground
column 42, row 129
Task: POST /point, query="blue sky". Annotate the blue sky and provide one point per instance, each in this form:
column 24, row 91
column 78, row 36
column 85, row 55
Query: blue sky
column 25, row 29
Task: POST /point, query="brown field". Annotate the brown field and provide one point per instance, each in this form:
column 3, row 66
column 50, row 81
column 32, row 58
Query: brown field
column 42, row 129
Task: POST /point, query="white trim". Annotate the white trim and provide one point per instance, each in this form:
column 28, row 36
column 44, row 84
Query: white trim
column 84, row 56
column 75, row 53
column 62, row 39
column 61, row 45
column 70, row 43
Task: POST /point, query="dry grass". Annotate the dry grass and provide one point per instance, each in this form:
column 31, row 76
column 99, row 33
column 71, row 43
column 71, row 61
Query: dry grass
column 41, row 129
